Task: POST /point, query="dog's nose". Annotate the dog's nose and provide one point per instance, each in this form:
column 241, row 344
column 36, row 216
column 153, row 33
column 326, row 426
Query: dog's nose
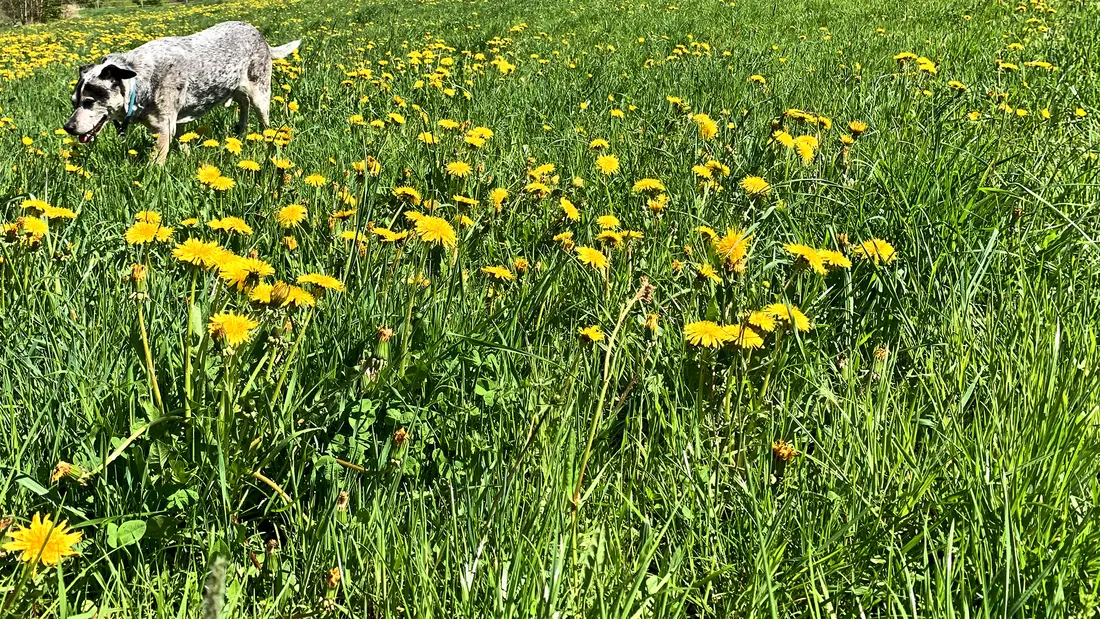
column 69, row 127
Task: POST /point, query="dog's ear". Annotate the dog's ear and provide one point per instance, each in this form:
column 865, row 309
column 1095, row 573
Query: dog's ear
column 116, row 72
column 84, row 68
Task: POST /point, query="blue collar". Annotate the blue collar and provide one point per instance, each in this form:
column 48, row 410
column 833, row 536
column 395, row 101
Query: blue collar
column 132, row 105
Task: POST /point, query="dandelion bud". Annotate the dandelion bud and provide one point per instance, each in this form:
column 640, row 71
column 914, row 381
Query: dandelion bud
column 382, row 348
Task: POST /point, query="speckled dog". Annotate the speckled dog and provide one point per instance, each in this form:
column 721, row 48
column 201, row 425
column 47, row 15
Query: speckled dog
column 170, row 81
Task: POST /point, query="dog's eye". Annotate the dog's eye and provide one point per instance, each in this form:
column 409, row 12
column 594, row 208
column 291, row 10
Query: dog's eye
column 87, row 103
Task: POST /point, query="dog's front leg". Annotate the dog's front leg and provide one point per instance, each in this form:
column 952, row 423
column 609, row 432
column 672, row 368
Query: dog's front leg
column 165, row 129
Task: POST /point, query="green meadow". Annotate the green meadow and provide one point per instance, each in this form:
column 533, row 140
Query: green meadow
column 585, row 308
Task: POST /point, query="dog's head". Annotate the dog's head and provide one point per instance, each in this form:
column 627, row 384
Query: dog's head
column 99, row 96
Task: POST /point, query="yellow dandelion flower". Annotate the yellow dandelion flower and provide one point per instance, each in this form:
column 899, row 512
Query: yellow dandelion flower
column 788, row 314
column 706, row 334
column 234, row 225
column 707, row 272
column 591, row 334
column 407, row 194
column 590, row 256
column 570, row 210
column 755, row 186
column 762, row 320
column 321, row 280
column 204, row 255
column 233, row 329
column 744, row 337
column 143, row 232
column 459, row 169
column 497, row 196
column 608, row 221
column 315, row 180
column 436, row 230
column 223, row 183
column 648, row 185
column 876, row 250
column 608, row 164
column 835, row 259
column 208, row 174
column 248, row 164
column 291, row 215
column 43, row 541
column 497, row 272
column 807, row 256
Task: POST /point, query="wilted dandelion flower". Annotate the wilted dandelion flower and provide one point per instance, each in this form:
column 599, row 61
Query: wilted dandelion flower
column 608, row 164
column 459, row 169
column 876, row 250
column 783, row 450
column 590, row 256
column 291, row 215
column 743, row 337
column 788, row 314
column 202, row 254
column 43, row 541
column 143, row 232
column 436, row 230
column 497, row 272
column 232, row 329
column 706, row 334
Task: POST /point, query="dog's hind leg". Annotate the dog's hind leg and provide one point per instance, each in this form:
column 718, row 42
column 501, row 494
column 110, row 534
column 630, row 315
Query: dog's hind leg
column 243, row 106
column 259, row 95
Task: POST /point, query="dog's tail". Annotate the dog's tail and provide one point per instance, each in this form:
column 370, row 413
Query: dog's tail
column 284, row 50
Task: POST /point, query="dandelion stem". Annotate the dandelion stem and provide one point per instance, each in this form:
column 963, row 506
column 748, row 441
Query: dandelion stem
column 150, row 369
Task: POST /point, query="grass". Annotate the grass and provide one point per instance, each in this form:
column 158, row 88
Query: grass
column 488, row 461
